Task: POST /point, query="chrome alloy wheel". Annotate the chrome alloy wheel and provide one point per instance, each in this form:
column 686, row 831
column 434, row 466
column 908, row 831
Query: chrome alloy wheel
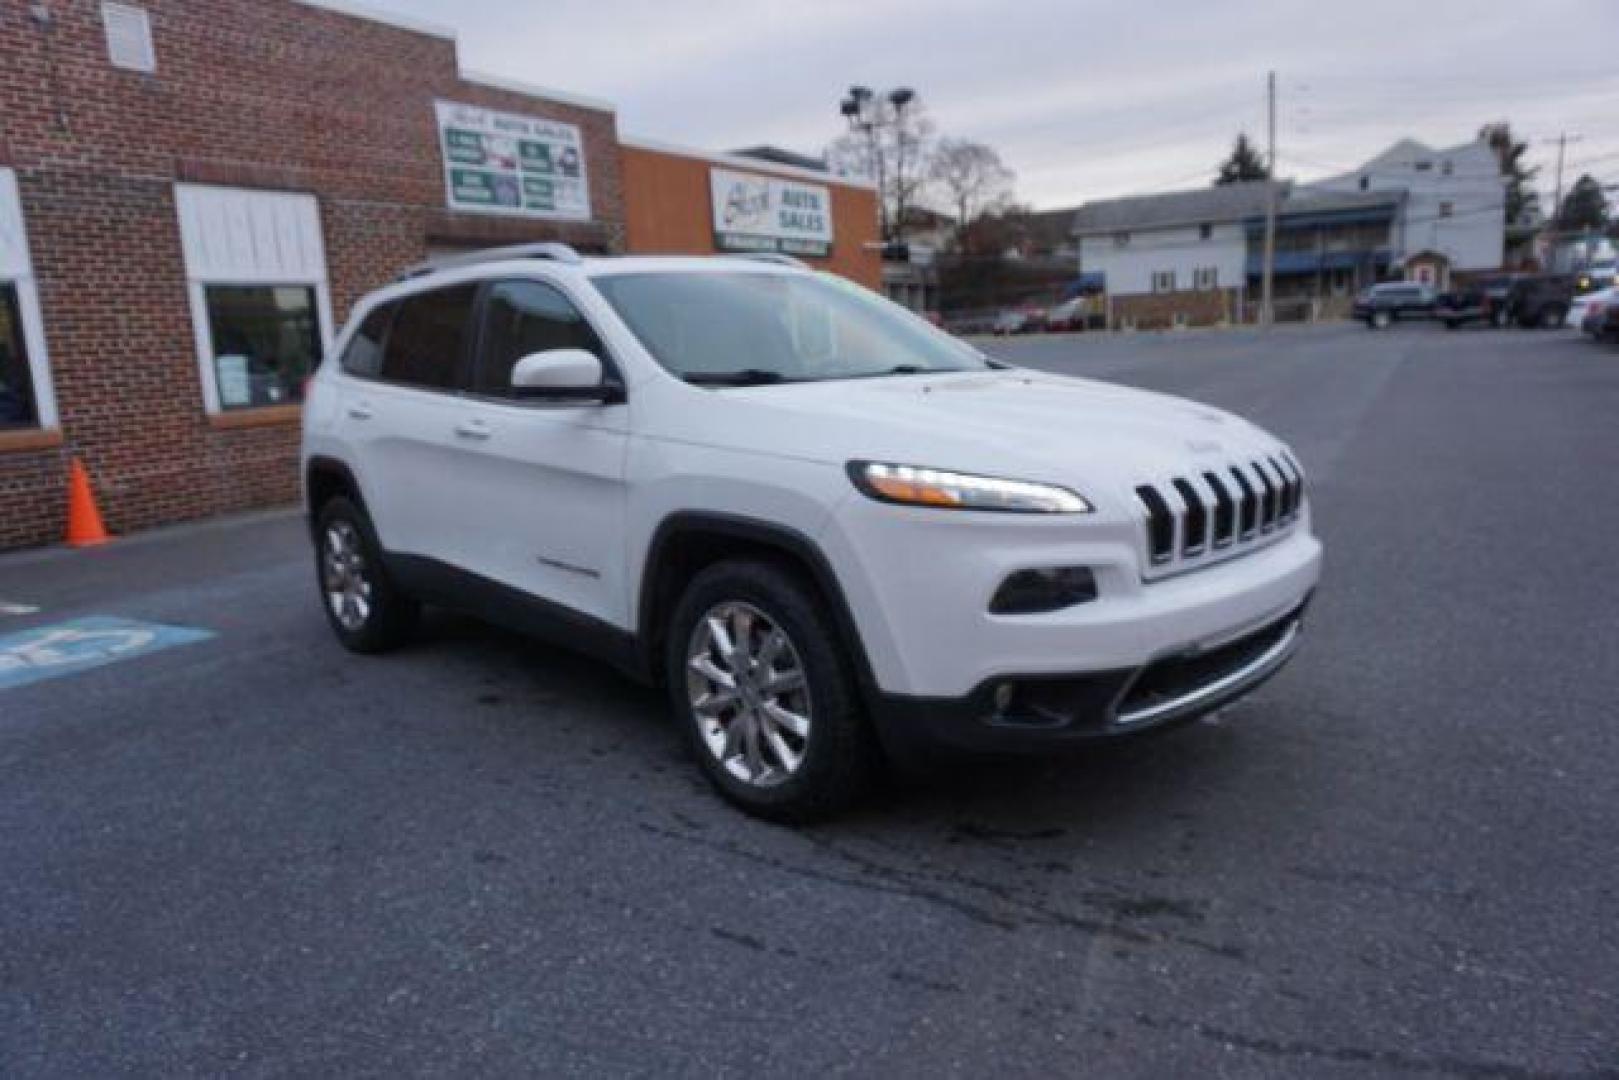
column 345, row 576
column 747, row 689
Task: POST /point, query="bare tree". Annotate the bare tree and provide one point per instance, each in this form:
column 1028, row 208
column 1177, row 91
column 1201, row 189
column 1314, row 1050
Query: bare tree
column 971, row 178
column 893, row 150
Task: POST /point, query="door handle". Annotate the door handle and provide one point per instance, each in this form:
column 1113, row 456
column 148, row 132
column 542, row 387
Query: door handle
column 472, row 429
column 360, row 411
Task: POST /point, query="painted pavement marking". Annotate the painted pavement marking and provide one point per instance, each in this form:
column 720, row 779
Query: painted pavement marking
column 9, row 608
column 67, row 648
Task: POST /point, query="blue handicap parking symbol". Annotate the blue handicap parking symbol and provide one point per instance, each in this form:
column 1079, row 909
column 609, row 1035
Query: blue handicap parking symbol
column 66, row 648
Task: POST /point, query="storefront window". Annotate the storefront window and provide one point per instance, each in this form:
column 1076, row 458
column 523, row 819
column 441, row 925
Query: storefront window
column 266, row 342
column 17, row 407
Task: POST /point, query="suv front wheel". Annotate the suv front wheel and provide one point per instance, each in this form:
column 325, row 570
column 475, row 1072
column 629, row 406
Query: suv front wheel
column 368, row 612
column 766, row 694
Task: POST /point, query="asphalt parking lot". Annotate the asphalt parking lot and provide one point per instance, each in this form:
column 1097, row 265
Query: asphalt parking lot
column 255, row 854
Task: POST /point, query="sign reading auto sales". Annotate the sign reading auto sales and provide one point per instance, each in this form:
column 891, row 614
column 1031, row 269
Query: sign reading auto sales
column 762, row 213
column 520, row 166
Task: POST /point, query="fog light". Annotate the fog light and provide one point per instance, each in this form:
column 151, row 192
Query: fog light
column 1030, row 591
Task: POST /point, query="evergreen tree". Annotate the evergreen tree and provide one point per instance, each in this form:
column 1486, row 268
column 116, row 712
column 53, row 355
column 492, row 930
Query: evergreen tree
column 1584, row 207
column 1510, row 153
column 1245, row 163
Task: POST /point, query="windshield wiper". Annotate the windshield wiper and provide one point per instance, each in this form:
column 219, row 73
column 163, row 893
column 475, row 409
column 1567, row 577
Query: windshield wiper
column 743, row 377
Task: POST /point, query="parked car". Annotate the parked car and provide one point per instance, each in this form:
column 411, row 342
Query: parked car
column 1011, row 322
column 1077, row 313
column 828, row 530
column 1601, row 274
column 1021, row 321
column 1602, row 322
column 1068, row 315
column 1540, row 300
column 1584, row 310
column 1529, row 300
column 1381, row 305
column 1482, row 301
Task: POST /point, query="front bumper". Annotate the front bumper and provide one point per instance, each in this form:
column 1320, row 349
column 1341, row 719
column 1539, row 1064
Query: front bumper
column 1015, row 714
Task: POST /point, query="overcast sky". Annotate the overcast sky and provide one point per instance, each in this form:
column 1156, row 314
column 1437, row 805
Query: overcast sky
column 1083, row 100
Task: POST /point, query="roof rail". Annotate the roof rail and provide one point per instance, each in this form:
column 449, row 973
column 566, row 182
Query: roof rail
column 561, row 253
column 777, row 257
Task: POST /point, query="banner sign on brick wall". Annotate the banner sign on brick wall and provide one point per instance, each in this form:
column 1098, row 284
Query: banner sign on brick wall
column 763, row 213
column 520, row 166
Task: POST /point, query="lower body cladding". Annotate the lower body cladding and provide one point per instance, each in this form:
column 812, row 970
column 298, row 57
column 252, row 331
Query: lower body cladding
column 1039, row 713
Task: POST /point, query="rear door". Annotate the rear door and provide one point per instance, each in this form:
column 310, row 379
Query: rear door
column 405, row 421
column 549, row 483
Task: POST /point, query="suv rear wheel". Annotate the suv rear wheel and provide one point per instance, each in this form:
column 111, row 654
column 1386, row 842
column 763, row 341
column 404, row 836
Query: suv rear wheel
column 368, row 612
column 1381, row 319
column 766, row 694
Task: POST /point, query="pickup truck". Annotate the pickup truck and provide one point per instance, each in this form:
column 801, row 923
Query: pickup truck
column 1514, row 300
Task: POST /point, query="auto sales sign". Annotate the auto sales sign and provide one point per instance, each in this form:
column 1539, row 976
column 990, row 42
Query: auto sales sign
column 762, row 213
column 520, row 166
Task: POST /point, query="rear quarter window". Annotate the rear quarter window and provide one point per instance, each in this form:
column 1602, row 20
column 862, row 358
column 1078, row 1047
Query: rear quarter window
column 363, row 356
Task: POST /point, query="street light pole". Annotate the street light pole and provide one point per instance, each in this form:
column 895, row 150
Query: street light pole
column 868, row 114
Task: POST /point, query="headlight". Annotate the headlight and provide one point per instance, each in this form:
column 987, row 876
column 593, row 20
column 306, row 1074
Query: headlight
column 914, row 486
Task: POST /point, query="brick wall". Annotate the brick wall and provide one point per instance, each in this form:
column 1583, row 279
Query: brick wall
column 253, row 93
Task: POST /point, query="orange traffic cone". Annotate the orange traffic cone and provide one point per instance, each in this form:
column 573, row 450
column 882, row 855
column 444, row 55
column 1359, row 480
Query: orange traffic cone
column 84, row 527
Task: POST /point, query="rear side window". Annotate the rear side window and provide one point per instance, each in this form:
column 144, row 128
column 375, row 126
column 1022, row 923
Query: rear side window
column 427, row 344
column 364, row 353
column 524, row 317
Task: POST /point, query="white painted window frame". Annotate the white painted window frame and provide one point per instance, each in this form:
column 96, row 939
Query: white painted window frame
column 198, row 283
column 21, row 276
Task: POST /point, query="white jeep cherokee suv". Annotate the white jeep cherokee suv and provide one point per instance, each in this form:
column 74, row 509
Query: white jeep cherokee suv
column 832, row 531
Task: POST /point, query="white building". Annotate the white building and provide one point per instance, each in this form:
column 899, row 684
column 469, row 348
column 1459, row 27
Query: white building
column 1455, row 204
column 1176, row 257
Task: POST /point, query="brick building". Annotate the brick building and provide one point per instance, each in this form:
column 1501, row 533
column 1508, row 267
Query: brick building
column 194, row 192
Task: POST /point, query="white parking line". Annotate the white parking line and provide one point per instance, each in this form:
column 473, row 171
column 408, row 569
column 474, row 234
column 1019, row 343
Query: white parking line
column 8, row 608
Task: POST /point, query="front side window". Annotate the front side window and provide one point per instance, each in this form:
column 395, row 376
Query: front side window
column 525, row 317
column 773, row 327
column 17, row 406
column 427, row 343
column 266, row 342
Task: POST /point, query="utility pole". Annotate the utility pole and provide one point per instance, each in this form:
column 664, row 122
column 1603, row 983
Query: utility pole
column 1549, row 232
column 1563, row 139
column 1266, row 314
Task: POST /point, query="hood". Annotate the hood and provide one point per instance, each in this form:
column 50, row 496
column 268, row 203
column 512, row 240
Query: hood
column 1026, row 425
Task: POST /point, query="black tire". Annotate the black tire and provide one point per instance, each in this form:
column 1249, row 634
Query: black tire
column 1380, row 320
column 1452, row 324
column 390, row 615
column 1500, row 319
column 840, row 756
column 1552, row 317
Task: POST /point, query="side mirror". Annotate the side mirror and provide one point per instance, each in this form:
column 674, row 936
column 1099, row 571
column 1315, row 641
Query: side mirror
column 563, row 375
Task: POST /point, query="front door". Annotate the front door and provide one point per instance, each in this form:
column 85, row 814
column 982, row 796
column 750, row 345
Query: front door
column 549, row 482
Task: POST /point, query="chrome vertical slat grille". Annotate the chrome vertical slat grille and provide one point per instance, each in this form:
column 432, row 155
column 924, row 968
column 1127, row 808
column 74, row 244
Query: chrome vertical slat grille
column 1207, row 515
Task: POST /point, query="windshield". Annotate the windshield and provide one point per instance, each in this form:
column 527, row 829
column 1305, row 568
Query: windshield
column 754, row 328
